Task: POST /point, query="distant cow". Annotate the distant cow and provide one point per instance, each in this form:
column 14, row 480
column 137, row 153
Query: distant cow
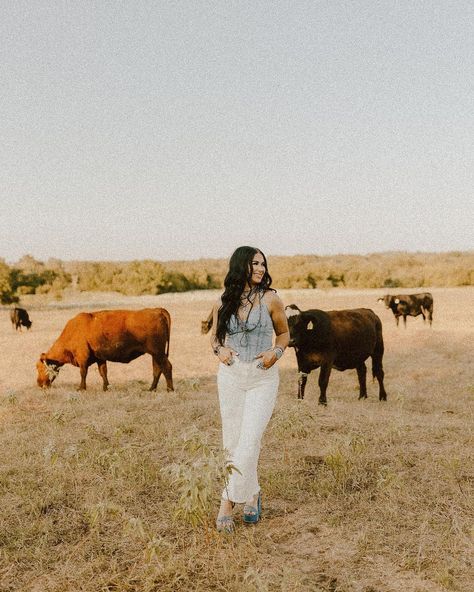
column 19, row 317
column 403, row 305
column 207, row 324
column 340, row 339
column 110, row 335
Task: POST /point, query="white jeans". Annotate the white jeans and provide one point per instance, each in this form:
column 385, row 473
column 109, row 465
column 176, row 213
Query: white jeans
column 247, row 397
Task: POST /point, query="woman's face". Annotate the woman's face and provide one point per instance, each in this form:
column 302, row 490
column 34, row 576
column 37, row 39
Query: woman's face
column 258, row 269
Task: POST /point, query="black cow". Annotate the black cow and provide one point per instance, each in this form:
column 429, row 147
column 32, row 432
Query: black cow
column 403, row 305
column 19, row 317
column 340, row 339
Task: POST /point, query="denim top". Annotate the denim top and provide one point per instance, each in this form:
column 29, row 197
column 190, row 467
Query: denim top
column 252, row 336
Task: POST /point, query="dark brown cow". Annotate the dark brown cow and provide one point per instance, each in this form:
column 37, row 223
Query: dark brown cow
column 403, row 305
column 207, row 324
column 19, row 317
column 340, row 339
column 110, row 335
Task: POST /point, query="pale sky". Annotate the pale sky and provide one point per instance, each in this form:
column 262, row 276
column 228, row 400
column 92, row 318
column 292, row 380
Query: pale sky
column 183, row 129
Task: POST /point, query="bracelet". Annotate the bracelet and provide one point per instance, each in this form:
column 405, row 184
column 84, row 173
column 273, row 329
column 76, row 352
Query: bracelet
column 278, row 352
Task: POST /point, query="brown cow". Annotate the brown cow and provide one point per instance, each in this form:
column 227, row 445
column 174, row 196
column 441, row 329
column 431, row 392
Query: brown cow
column 207, row 324
column 403, row 305
column 110, row 335
column 340, row 339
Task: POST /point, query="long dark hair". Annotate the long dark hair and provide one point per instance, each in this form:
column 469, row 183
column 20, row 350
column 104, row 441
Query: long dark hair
column 239, row 274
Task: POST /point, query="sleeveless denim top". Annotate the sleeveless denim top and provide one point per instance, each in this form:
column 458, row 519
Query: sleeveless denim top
column 252, row 336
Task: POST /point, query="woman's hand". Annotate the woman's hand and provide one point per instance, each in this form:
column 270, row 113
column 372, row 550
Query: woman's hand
column 267, row 359
column 227, row 355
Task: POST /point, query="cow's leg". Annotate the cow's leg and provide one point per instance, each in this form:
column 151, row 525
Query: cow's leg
column 302, row 378
column 377, row 371
column 323, row 381
column 102, row 365
column 162, row 364
column 168, row 372
column 156, row 373
column 362, row 376
column 397, row 319
column 405, row 321
column 430, row 316
column 83, row 368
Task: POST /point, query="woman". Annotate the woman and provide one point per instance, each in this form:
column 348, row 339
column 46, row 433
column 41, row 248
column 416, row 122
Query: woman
column 244, row 320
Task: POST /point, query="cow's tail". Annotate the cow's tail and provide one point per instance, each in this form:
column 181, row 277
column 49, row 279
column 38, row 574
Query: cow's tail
column 377, row 366
column 169, row 335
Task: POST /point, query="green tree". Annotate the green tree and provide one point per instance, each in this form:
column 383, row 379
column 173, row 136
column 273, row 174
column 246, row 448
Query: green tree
column 7, row 292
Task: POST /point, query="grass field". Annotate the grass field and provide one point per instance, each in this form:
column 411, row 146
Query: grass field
column 358, row 497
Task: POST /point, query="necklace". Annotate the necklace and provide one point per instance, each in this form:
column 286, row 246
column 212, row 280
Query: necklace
column 247, row 300
column 243, row 307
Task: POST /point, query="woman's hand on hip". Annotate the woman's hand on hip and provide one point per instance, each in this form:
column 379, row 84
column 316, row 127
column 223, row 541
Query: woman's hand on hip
column 267, row 359
column 227, row 355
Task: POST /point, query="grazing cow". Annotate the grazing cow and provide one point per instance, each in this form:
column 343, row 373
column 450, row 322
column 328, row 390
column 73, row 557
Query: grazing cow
column 403, row 305
column 110, row 335
column 19, row 317
column 207, row 324
column 340, row 339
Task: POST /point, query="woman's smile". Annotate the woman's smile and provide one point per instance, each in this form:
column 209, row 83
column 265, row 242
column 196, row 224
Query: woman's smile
column 258, row 268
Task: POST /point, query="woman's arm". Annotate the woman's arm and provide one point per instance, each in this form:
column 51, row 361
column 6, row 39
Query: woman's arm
column 280, row 322
column 214, row 342
column 280, row 326
column 225, row 354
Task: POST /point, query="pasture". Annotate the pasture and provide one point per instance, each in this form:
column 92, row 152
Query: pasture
column 360, row 496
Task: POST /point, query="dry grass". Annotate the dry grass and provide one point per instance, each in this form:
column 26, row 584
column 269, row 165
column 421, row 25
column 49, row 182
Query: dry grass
column 358, row 496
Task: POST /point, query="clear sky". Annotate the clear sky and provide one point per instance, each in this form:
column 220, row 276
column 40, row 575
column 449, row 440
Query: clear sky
column 176, row 130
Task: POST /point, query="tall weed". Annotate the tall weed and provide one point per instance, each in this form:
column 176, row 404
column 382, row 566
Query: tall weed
column 195, row 478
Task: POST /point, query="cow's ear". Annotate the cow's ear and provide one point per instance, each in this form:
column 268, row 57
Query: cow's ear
column 310, row 326
column 292, row 311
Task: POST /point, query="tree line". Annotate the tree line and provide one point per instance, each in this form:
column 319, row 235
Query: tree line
column 377, row 270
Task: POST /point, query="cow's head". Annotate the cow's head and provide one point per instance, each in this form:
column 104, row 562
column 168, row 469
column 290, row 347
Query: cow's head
column 301, row 325
column 292, row 314
column 47, row 371
column 387, row 300
column 308, row 328
column 27, row 324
